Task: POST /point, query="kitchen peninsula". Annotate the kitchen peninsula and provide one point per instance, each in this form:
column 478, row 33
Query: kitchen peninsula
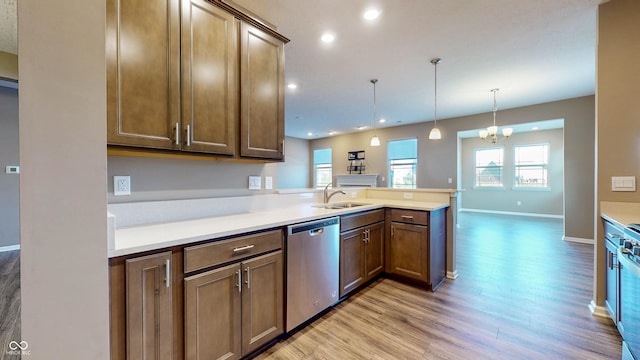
column 188, row 259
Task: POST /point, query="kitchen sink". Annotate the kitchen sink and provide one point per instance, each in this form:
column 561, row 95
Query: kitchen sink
column 343, row 205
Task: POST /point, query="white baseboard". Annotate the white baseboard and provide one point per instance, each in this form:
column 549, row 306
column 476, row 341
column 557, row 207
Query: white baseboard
column 9, row 248
column 578, row 240
column 452, row 275
column 514, row 213
column 599, row 311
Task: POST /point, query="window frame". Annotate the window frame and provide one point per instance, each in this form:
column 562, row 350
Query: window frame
column 476, row 185
column 409, row 161
column 324, row 166
column 547, row 186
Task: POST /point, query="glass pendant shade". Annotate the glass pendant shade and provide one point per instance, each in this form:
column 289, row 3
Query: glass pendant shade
column 375, row 141
column 434, row 134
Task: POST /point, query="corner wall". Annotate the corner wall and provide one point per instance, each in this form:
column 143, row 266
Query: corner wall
column 64, row 278
column 618, row 113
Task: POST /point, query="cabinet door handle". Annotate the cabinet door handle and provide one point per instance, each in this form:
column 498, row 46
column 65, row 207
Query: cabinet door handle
column 177, row 133
column 611, row 256
column 409, row 217
column 392, row 228
column 248, row 280
column 243, row 248
column 167, row 272
column 188, row 135
column 239, row 284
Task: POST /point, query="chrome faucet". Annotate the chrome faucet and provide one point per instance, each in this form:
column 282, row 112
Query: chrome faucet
column 328, row 196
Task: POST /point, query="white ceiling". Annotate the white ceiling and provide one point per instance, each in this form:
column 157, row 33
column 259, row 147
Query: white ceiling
column 534, row 51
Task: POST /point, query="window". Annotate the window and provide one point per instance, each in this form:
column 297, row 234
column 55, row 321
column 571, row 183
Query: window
column 403, row 158
column 489, row 166
column 322, row 167
column 531, row 164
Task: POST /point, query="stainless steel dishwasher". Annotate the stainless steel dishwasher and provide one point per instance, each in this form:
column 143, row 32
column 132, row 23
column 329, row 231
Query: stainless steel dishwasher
column 313, row 265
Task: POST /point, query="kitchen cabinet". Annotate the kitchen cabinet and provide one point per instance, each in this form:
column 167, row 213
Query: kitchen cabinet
column 613, row 236
column 416, row 249
column 144, row 324
column 361, row 249
column 231, row 311
column 195, row 77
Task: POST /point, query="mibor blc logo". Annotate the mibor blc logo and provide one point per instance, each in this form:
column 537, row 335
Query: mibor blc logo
column 18, row 348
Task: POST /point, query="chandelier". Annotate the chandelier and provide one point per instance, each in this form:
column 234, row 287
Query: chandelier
column 491, row 134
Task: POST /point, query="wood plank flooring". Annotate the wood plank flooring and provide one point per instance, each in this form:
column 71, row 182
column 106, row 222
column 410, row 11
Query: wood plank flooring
column 9, row 301
column 522, row 293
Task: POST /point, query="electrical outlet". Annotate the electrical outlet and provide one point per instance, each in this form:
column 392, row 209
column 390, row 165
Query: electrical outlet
column 450, row 180
column 121, row 185
column 519, row 203
column 255, row 182
column 407, row 195
column 353, row 194
column 268, row 182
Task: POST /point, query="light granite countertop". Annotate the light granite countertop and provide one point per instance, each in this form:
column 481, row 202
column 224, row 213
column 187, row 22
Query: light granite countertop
column 620, row 213
column 135, row 239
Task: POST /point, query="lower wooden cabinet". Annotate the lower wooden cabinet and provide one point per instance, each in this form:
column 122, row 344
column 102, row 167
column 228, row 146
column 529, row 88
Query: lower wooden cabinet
column 361, row 250
column 233, row 310
column 142, row 294
column 416, row 249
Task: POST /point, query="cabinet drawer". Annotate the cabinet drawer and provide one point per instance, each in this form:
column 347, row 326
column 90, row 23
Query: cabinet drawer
column 353, row 221
column 612, row 232
column 410, row 216
column 219, row 252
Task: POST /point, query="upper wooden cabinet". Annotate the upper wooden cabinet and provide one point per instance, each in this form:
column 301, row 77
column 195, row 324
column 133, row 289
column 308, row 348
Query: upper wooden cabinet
column 196, row 76
column 262, row 89
column 143, row 73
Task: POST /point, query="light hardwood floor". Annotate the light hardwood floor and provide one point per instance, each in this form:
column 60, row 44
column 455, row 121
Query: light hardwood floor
column 522, row 293
column 9, row 301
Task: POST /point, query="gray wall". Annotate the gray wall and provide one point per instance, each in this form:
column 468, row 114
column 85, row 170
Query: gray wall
column 532, row 201
column 9, row 184
column 64, row 281
column 294, row 173
column 437, row 160
column 155, row 178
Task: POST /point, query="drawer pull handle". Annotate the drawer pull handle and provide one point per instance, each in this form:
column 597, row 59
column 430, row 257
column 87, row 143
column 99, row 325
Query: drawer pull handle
column 177, row 133
column 407, row 217
column 243, row 248
column 239, row 283
column 248, row 280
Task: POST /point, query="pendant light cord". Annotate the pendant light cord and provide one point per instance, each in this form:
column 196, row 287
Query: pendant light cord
column 374, row 81
column 495, row 106
column 435, row 92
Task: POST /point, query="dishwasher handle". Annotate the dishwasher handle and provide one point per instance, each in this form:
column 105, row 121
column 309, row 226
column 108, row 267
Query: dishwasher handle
column 317, row 231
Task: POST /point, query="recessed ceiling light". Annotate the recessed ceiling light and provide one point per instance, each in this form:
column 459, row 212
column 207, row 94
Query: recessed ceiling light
column 534, row 128
column 327, row 37
column 361, row 127
column 382, row 120
column 292, row 86
column 371, row 14
column 332, row 132
column 309, row 133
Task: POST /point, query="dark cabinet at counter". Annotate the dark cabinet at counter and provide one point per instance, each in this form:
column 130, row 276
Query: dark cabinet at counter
column 361, row 249
column 416, row 248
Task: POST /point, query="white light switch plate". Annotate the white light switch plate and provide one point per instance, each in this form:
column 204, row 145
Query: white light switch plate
column 12, row 169
column 268, row 182
column 255, row 182
column 623, row 183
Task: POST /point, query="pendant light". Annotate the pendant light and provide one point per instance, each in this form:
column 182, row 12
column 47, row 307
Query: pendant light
column 375, row 140
column 435, row 132
column 491, row 134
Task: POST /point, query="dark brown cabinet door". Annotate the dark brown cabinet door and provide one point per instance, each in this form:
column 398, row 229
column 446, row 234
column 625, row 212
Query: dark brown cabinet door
column 409, row 251
column 352, row 261
column 262, row 301
column 143, row 73
column 212, row 314
column 374, row 250
column 209, row 78
column 149, row 307
column 262, row 94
